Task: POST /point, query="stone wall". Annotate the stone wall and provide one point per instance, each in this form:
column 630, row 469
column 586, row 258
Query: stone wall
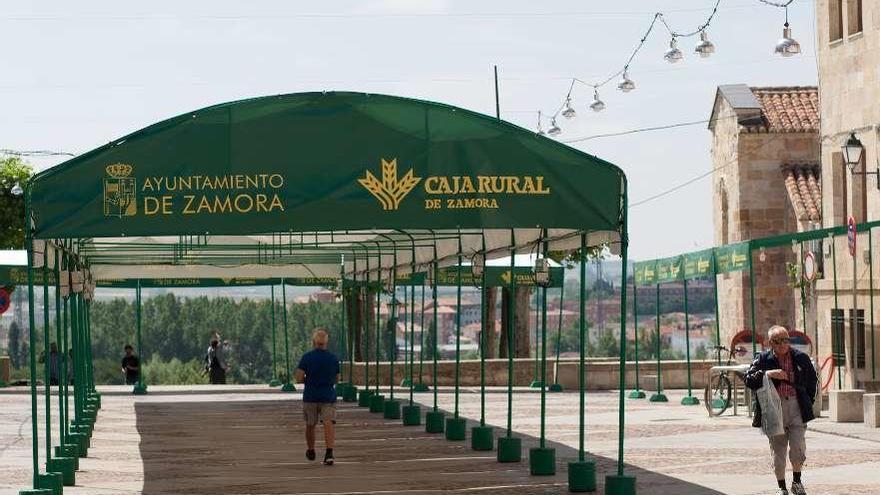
column 600, row 374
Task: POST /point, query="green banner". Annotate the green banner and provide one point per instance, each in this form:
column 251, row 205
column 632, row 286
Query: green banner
column 732, row 258
column 17, row 275
column 147, row 283
column 280, row 163
column 669, row 270
column 698, row 264
column 496, row 276
column 645, row 272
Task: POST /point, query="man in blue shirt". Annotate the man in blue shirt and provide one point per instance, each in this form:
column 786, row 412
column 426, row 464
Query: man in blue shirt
column 319, row 370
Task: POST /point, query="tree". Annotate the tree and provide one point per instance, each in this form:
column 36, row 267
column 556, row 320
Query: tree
column 13, row 170
column 17, row 346
column 489, row 303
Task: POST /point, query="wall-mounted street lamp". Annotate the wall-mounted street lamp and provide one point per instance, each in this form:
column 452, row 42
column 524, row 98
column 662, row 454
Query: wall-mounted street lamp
column 852, row 155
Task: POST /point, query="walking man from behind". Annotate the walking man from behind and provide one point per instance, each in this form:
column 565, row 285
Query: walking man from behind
column 319, row 370
column 795, row 379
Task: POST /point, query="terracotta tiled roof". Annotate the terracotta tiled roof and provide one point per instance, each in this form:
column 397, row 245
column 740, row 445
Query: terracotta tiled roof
column 804, row 185
column 787, row 109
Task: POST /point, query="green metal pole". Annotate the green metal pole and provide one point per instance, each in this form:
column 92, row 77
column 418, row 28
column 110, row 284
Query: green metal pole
column 510, row 448
column 535, row 382
column 458, row 329
column 717, row 314
column 556, row 387
column 624, row 244
column 837, row 313
column 659, row 396
column 871, row 299
column 804, row 294
column 288, row 383
column 48, row 359
column 139, row 387
column 33, row 342
column 752, row 302
column 421, row 386
column 365, row 330
column 690, row 400
column 76, row 345
column 637, row 393
column 273, row 381
column 543, row 291
column 436, row 269
column 583, row 347
column 60, row 345
column 412, row 333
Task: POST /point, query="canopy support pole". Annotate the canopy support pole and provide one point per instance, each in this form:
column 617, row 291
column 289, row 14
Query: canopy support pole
column 510, row 447
column 273, row 381
column 556, row 386
column 455, row 426
column 690, row 400
column 140, row 388
column 288, row 381
column 482, row 436
column 542, row 459
column 637, row 393
column 434, row 420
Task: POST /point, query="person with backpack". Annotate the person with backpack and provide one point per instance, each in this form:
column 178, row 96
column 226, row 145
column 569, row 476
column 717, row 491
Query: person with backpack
column 794, row 377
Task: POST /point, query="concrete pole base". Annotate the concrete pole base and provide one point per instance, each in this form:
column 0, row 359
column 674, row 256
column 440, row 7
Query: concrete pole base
column 556, row 388
column 52, row 482
column 482, row 438
column 392, row 409
column 412, row 415
column 456, row 429
column 377, row 403
column 581, row 476
column 68, row 450
column 536, row 384
column 620, row 485
column 139, row 389
column 542, row 461
column 435, row 422
column 364, row 398
column 509, row 449
column 350, row 394
column 288, row 387
column 690, row 400
column 637, row 394
column 421, row 387
column 64, row 466
column 340, row 388
column 659, row 397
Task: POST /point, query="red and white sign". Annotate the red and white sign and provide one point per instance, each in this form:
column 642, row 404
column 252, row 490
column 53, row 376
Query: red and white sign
column 851, row 235
column 4, row 300
column 809, row 266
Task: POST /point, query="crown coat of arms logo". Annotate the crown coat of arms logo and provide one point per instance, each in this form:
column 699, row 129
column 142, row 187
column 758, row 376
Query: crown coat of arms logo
column 390, row 191
column 120, row 191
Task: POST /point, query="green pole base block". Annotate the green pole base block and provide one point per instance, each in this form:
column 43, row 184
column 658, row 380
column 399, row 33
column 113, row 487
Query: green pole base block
column 690, row 400
column 658, row 397
column 51, row 481
column 456, row 429
column 421, row 387
column 405, row 382
column 70, row 451
column 340, row 388
column 274, row 383
column 435, row 422
column 542, row 461
column 392, row 409
column 377, row 403
column 620, row 485
column 536, row 384
column 364, row 398
column 581, row 476
column 139, row 389
column 637, row 394
column 288, row 387
column 412, row 415
column 65, row 466
column 719, row 404
column 509, row 449
column 36, row 491
column 556, row 388
column 80, row 440
column 350, row 394
column 482, row 438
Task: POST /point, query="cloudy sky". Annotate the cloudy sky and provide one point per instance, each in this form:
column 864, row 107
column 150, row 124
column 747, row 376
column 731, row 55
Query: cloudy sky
column 79, row 74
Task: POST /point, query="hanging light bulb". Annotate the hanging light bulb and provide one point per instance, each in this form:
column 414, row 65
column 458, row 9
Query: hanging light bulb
column 597, row 105
column 568, row 112
column 787, row 46
column 626, row 84
column 705, row 47
column 554, row 129
column 673, row 55
column 17, row 190
column 540, row 129
column 762, row 255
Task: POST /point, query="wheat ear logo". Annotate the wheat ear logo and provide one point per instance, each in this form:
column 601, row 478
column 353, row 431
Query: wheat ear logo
column 390, row 191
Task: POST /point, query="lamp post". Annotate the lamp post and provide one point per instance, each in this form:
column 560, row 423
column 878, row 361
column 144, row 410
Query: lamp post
column 853, row 150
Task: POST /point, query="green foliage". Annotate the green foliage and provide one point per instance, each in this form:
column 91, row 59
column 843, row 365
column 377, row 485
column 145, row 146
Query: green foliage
column 607, row 344
column 176, row 331
column 17, row 347
column 12, row 170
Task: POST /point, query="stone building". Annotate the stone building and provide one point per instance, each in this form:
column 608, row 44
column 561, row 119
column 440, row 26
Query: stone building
column 766, row 181
column 848, row 45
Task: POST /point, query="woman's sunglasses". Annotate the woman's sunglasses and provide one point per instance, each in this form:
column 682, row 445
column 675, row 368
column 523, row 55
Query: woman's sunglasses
column 781, row 340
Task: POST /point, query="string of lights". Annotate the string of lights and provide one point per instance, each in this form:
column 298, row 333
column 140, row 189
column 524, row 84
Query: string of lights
column 786, row 47
column 34, row 153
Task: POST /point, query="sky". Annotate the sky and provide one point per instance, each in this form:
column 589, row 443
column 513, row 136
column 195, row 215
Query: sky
column 80, row 74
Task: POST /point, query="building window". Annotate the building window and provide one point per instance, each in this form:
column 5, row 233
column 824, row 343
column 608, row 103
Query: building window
column 854, row 16
column 835, row 20
column 859, row 206
column 837, row 336
column 859, row 326
column 838, row 189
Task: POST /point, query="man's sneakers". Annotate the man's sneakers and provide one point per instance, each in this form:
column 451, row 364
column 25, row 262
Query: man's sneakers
column 328, row 457
column 310, row 454
column 797, row 488
column 781, row 491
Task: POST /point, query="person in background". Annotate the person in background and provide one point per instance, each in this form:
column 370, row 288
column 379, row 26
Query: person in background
column 215, row 365
column 796, row 381
column 319, row 370
column 54, row 363
column 131, row 366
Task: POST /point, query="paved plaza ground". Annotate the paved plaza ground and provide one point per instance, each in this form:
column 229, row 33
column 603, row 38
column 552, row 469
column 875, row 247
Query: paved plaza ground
column 248, row 440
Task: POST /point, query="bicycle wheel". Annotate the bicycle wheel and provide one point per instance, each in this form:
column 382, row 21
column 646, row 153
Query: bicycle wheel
column 717, row 395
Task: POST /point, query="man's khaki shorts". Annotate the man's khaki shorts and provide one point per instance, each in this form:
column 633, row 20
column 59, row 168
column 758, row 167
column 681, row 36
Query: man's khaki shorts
column 313, row 411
